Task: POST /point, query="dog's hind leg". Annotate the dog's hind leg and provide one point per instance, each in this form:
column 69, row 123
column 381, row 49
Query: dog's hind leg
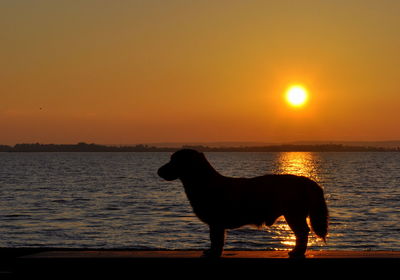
column 217, row 237
column 298, row 224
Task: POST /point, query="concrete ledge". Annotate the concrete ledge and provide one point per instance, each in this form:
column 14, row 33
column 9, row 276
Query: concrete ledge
column 195, row 254
column 173, row 263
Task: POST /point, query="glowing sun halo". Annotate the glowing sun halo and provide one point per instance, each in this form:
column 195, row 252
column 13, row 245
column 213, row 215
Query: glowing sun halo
column 296, row 96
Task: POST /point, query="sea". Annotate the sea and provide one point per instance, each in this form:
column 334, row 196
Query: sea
column 116, row 200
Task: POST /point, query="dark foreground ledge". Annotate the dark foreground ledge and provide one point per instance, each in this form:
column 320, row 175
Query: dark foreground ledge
column 59, row 262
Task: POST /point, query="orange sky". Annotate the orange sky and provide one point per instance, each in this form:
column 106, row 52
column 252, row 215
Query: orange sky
column 126, row 72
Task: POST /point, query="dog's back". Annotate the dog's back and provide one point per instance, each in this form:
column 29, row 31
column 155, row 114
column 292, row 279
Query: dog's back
column 235, row 202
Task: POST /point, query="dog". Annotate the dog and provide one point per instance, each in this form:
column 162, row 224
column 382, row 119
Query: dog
column 226, row 202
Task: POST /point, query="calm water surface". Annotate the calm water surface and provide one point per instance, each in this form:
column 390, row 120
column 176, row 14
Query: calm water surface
column 116, row 200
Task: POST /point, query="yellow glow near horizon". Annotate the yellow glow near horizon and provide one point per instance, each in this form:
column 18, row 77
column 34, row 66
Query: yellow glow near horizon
column 296, row 95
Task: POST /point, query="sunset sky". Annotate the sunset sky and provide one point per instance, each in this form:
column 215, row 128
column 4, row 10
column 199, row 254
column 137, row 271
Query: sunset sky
column 128, row 72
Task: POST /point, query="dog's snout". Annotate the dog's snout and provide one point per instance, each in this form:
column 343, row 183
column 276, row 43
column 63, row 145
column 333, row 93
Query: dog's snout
column 160, row 171
column 167, row 172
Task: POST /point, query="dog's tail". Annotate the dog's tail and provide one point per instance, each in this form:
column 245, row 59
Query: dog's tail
column 319, row 214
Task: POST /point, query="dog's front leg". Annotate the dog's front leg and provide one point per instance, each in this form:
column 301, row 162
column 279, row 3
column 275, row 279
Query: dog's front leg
column 217, row 238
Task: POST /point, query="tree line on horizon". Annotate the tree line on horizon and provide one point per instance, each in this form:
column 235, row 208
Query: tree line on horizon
column 85, row 147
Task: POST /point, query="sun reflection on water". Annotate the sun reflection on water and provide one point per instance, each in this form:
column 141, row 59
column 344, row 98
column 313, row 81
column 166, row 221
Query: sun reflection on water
column 296, row 163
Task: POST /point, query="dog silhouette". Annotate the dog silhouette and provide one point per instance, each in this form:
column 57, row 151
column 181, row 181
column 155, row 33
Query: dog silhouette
column 227, row 203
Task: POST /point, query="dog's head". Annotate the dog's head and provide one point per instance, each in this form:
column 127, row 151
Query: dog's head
column 183, row 162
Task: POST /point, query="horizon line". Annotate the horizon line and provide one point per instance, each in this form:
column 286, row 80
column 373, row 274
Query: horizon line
column 232, row 144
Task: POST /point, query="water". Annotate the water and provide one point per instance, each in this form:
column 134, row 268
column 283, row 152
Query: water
column 116, row 200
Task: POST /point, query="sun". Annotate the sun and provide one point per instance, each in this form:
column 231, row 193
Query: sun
column 296, row 95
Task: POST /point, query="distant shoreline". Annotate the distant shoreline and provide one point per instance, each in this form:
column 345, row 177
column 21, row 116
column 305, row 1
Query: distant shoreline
column 84, row 147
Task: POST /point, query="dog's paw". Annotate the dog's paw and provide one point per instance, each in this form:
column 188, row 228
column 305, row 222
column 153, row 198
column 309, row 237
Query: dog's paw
column 212, row 253
column 296, row 255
